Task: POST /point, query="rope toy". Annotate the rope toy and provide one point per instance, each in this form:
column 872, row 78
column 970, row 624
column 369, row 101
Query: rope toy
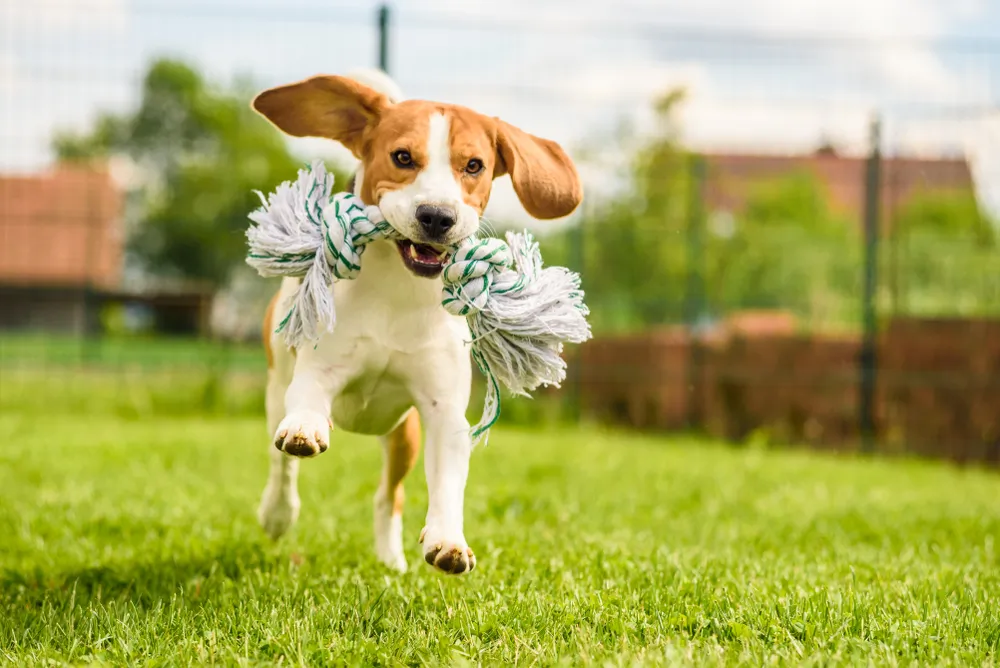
column 519, row 314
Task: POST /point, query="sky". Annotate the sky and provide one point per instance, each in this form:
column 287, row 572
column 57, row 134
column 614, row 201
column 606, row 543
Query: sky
column 761, row 75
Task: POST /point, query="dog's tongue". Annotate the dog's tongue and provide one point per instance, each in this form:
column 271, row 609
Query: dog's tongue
column 426, row 253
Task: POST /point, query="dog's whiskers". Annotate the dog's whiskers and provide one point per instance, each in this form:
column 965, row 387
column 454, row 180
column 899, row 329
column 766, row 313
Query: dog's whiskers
column 486, row 226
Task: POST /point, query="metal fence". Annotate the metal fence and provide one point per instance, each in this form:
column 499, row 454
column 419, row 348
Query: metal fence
column 764, row 190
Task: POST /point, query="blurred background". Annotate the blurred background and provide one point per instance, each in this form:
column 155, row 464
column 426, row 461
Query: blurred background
column 790, row 233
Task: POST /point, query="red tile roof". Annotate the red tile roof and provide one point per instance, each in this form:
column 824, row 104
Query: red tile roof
column 62, row 227
column 731, row 177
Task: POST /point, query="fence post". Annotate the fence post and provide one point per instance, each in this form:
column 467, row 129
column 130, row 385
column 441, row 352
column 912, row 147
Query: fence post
column 867, row 361
column 383, row 38
column 92, row 330
column 694, row 298
column 577, row 262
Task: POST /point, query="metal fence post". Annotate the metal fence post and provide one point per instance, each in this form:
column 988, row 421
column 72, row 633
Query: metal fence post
column 577, row 262
column 867, row 360
column 694, row 299
column 383, row 38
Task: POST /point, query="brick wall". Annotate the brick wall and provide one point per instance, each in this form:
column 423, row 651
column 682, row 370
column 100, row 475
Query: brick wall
column 938, row 391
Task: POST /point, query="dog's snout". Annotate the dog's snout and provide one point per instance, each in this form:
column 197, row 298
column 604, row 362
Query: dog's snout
column 435, row 220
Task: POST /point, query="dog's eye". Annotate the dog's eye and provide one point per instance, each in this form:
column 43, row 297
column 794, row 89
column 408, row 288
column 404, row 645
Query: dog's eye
column 474, row 166
column 402, row 158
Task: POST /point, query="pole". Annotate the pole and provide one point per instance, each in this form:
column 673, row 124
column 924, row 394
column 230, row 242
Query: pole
column 868, row 362
column 383, row 38
column 694, row 301
column 577, row 262
column 94, row 222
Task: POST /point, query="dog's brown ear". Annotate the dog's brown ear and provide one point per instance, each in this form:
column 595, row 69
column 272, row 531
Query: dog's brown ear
column 543, row 176
column 326, row 106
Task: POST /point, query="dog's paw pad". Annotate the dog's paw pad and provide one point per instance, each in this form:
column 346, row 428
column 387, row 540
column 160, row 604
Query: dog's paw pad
column 303, row 434
column 452, row 557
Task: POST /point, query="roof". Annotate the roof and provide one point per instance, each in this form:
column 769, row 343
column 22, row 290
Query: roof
column 732, row 176
column 61, row 228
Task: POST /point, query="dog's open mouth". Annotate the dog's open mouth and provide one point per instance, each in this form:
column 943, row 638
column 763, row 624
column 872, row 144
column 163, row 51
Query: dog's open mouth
column 422, row 259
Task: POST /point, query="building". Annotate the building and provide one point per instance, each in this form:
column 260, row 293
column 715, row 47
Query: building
column 62, row 252
column 61, row 243
column 732, row 177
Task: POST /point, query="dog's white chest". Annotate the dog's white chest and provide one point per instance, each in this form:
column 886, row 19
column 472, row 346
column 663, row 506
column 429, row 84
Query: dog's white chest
column 390, row 326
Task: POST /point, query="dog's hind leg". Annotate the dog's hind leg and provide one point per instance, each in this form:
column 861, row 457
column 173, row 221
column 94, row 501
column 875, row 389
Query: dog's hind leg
column 279, row 505
column 401, row 447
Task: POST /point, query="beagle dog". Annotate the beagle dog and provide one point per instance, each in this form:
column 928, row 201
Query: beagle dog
column 397, row 359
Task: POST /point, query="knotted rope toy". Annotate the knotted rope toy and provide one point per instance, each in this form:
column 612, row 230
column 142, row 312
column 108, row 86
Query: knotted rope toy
column 519, row 313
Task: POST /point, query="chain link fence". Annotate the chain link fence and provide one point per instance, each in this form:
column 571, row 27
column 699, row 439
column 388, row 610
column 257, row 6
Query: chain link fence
column 731, row 198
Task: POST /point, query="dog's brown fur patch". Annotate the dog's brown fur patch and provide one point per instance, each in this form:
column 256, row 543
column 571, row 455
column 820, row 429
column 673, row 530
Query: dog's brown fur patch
column 268, row 328
column 401, row 454
column 374, row 129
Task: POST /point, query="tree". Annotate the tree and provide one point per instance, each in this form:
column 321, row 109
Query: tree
column 633, row 243
column 947, row 214
column 944, row 254
column 201, row 152
column 784, row 249
column 789, row 251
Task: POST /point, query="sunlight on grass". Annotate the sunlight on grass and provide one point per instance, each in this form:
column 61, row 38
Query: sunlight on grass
column 123, row 541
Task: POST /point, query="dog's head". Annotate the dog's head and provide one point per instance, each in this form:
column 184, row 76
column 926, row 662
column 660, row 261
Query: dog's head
column 428, row 166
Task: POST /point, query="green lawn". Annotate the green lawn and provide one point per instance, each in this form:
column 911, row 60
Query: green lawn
column 134, row 541
column 127, row 352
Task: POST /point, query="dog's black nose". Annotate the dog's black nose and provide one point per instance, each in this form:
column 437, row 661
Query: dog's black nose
column 435, row 220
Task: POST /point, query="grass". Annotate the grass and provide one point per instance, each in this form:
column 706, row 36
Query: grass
column 127, row 352
column 134, row 541
column 139, row 378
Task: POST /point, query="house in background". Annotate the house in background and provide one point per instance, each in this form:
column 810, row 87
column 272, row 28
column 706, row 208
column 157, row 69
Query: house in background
column 62, row 247
column 61, row 242
column 732, row 177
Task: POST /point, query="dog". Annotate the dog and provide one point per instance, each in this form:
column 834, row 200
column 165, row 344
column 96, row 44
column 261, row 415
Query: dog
column 396, row 359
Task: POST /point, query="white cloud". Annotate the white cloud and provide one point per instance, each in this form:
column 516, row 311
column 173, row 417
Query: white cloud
column 635, row 80
column 543, row 66
column 753, row 98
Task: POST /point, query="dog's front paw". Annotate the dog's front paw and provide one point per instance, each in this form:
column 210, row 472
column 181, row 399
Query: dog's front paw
column 449, row 554
column 303, row 434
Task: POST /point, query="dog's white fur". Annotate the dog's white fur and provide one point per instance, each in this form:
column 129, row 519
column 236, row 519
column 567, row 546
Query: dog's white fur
column 435, row 185
column 394, row 348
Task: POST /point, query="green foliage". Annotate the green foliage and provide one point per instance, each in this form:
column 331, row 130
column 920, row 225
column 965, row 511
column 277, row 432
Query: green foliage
column 785, row 248
column 943, row 256
column 633, row 244
column 955, row 215
column 200, row 152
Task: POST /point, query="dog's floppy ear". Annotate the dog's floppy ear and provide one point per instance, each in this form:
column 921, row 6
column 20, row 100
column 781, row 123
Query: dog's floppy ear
column 543, row 176
column 325, row 106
